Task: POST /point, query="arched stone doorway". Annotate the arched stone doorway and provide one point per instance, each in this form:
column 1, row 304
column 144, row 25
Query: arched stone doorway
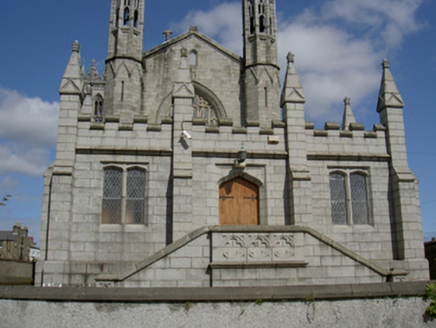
column 239, row 202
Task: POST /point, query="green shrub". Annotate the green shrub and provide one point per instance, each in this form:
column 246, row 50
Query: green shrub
column 431, row 295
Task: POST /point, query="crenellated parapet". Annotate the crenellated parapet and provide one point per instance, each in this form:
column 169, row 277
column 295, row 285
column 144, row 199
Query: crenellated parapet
column 189, row 135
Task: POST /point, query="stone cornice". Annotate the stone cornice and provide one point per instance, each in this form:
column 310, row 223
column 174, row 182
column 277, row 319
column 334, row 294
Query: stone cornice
column 218, row 294
column 349, row 157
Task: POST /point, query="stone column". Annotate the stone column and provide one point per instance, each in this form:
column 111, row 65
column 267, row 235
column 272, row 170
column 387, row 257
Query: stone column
column 183, row 95
column 404, row 196
column 292, row 102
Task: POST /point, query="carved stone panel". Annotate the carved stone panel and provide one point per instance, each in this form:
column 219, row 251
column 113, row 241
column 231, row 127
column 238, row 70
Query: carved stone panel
column 254, row 247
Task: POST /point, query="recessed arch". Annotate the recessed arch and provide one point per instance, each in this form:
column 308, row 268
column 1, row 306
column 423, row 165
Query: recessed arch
column 212, row 98
column 165, row 107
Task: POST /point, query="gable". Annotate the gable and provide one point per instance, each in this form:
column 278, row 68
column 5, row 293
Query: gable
column 200, row 39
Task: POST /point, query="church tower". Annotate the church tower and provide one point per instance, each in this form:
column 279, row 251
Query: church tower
column 124, row 62
column 261, row 74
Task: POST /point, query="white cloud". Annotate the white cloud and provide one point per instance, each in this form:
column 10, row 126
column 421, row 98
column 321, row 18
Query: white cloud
column 27, row 133
column 222, row 22
column 31, row 121
column 390, row 20
column 332, row 63
column 338, row 47
column 7, row 183
column 32, row 161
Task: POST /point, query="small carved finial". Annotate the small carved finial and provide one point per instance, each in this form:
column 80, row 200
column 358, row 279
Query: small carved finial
column 290, row 57
column 76, row 46
column 193, row 28
column 348, row 117
column 167, row 34
column 385, row 63
column 184, row 52
column 93, row 73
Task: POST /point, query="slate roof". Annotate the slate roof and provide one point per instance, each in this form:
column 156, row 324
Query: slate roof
column 7, row 235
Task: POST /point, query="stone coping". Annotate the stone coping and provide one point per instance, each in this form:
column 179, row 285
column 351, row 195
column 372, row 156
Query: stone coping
column 258, row 265
column 138, row 266
column 186, row 35
column 216, row 294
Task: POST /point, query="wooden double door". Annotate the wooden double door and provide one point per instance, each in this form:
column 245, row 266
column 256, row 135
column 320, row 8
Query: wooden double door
column 239, row 202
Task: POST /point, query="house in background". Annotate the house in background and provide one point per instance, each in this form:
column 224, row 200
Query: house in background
column 17, row 261
column 16, row 244
column 190, row 166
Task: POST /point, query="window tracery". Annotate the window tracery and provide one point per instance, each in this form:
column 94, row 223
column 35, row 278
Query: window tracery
column 204, row 110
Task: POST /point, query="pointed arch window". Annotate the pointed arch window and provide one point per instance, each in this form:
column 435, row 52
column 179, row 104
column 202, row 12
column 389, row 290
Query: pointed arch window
column 117, row 17
column 251, row 12
column 135, row 22
column 349, row 198
column 126, row 16
column 193, row 56
column 262, row 18
column 124, row 195
column 262, row 27
column 98, row 109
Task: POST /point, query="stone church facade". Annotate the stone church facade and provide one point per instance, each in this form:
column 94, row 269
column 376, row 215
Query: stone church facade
column 190, row 166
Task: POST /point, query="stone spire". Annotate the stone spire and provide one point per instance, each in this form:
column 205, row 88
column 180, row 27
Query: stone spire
column 348, row 117
column 389, row 95
column 292, row 90
column 72, row 78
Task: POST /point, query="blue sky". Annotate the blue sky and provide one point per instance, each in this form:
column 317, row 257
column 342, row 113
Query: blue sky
column 339, row 45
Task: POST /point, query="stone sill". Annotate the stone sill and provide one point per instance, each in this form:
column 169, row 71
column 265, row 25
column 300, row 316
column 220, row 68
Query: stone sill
column 258, row 265
column 216, row 294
